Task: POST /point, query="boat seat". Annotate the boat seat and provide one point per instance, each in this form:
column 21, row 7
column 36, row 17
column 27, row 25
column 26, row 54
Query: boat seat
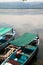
column 2, row 41
column 31, row 47
column 13, row 62
column 7, row 63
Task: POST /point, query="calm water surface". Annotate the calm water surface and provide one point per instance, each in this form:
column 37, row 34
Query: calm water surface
column 21, row 11
column 39, row 59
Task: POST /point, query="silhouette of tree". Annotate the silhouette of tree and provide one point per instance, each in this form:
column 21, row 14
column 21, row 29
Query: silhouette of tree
column 24, row 0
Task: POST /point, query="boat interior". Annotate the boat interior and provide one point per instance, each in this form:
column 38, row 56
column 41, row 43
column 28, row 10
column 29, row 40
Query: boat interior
column 34, row 42
column 5, row 52
column 5, row 38
column 22, row 55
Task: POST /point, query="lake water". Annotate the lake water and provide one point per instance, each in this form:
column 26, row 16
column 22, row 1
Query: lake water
column 25, row 20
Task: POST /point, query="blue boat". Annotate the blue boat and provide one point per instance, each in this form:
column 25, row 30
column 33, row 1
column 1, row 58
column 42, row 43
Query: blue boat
column 6, row 35
column 27, row 48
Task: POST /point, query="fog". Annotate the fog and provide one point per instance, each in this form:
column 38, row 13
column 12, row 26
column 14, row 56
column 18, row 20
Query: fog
column 22, row 22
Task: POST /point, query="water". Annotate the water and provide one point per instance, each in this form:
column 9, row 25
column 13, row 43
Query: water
column 25, row 20
column 21, row 11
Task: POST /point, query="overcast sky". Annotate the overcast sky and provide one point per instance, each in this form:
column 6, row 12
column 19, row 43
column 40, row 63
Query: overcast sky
column 18, row 0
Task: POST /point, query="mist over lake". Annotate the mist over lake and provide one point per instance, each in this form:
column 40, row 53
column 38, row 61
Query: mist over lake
column 25, row 20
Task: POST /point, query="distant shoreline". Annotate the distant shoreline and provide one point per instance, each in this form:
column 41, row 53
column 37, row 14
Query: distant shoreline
column 21, row 5
column 21, row 8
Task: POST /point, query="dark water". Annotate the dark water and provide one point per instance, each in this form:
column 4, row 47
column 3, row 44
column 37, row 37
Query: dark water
column 39, row 59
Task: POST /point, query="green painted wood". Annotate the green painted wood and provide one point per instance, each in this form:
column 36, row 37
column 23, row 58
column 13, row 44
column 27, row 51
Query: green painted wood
column 24, row 39
column 4, row 30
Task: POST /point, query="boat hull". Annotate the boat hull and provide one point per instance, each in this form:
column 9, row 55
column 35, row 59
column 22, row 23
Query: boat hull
column 30, row 59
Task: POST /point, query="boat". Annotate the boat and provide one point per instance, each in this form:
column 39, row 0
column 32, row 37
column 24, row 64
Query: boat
column 27, row 48
column 6, row 35
column 26, row 38
column 21, row 56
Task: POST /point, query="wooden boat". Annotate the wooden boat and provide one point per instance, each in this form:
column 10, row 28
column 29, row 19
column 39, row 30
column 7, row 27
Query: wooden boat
column 6, row 35
column 26, row 38
column 22, row 56
column 27, row 48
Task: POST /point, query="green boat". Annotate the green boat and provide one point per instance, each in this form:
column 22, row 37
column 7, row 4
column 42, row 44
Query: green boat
column 27, row 48
column 6, row 35
column 25, row 39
